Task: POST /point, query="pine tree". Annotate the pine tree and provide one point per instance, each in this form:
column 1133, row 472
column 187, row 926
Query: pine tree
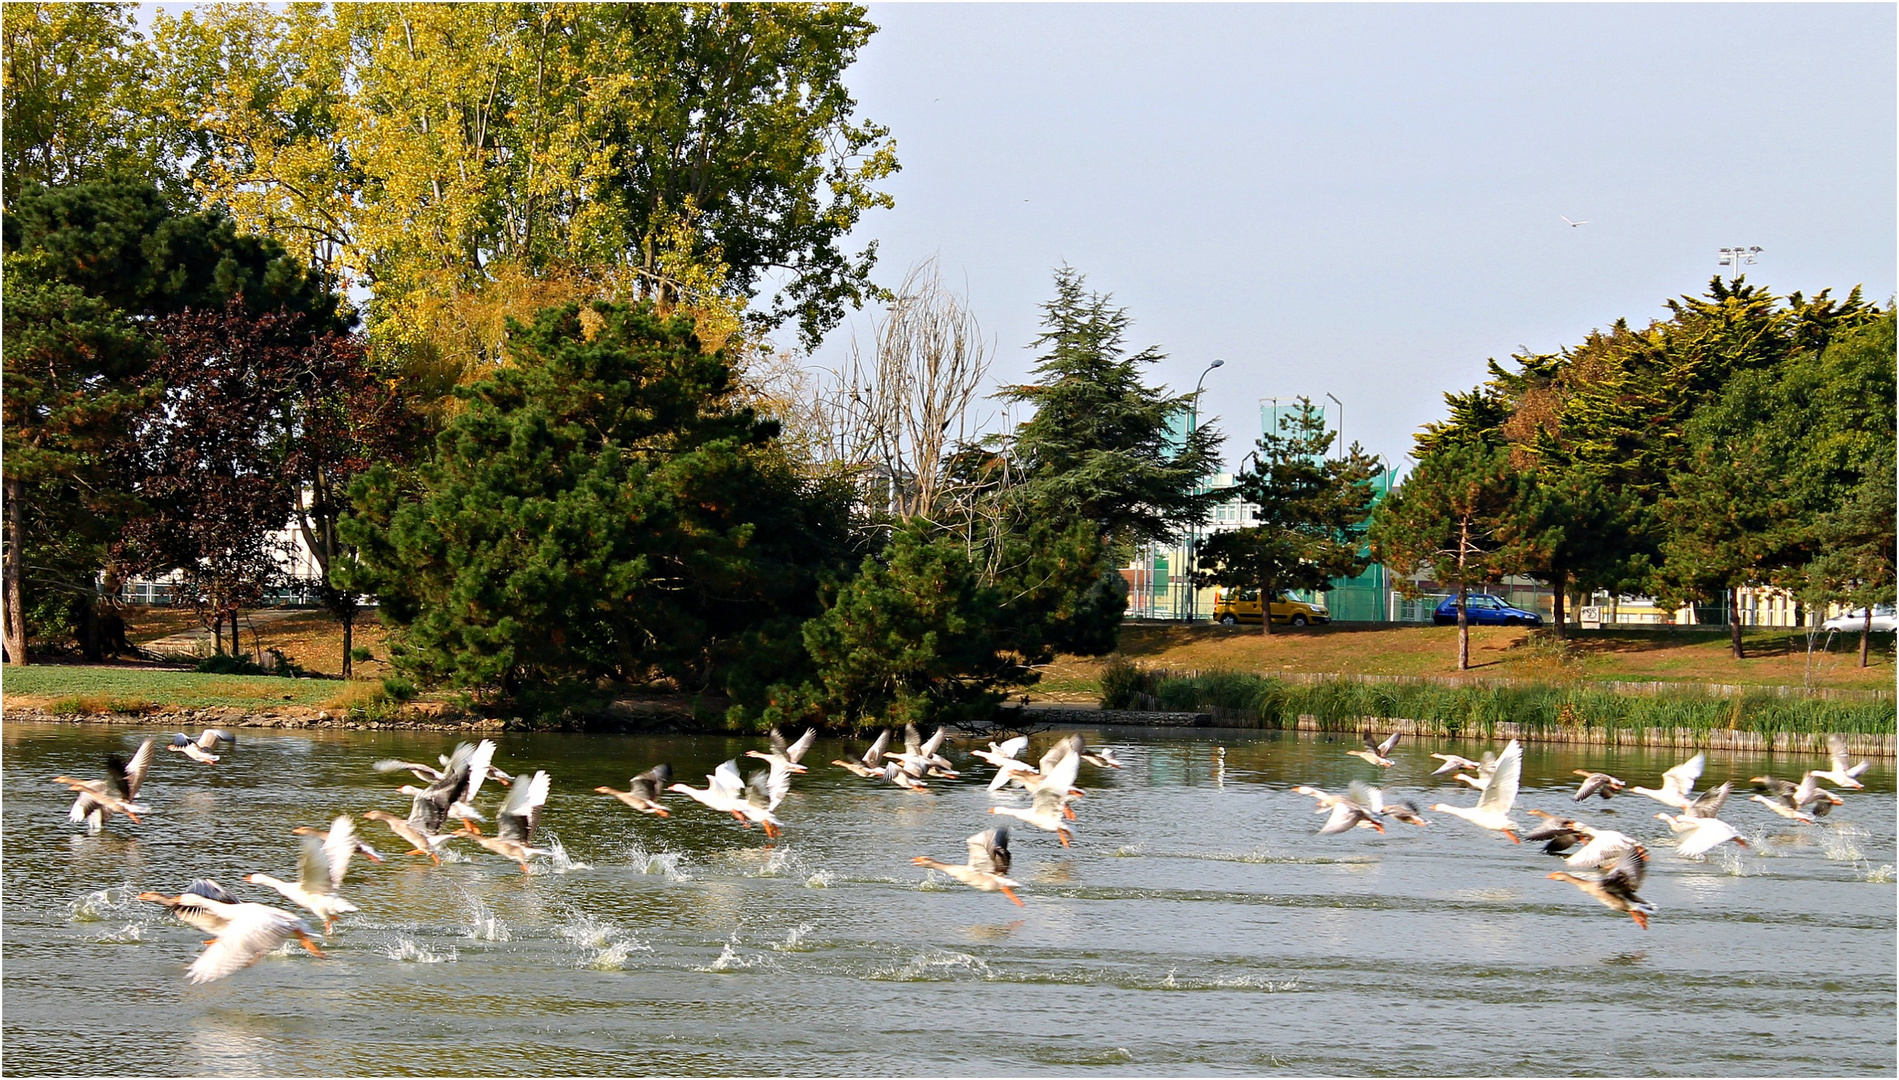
column 1100, row 446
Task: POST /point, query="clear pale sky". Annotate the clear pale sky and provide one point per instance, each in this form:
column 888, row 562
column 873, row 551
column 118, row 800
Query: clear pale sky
column 1367, row 199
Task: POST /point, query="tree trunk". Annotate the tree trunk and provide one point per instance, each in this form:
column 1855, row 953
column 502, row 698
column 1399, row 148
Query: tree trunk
column 1561, row 580
column 1265, row 607
column 15, row 615
column 1463, row 594
column 1865, row 632
column 1734, row 622
column 349, row 625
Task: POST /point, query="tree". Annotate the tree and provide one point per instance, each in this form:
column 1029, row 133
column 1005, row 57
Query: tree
column 476, row 162
column 89, row 269
column 1311, row 518
column 1572, row 531
column 1101, row 446
column 1451, row 514
column 603, row 507
column 71, row 76
column 927, row 632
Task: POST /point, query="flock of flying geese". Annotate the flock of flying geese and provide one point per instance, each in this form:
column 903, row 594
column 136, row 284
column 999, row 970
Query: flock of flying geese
column 1622, row 859
column 242, row 931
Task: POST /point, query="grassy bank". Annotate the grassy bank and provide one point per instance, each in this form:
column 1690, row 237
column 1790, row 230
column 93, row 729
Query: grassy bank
column 71, row 689
column 1253, row 700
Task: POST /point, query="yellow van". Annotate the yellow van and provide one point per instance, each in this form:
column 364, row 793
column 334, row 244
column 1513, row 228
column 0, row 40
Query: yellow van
column 1242, row 605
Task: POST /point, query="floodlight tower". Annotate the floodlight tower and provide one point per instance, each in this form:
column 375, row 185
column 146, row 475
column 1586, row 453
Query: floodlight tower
column 1737, row 256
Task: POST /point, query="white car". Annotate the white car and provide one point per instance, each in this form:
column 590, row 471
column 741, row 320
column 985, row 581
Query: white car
column 1884, row 620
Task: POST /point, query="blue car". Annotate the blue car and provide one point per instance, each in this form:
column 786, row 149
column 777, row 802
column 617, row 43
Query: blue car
column 1483, row 609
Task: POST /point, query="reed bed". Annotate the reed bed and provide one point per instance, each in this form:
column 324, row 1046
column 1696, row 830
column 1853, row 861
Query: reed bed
column 1577, row 712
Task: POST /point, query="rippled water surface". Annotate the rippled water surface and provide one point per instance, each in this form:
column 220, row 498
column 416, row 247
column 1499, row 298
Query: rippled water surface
column 1198, row 925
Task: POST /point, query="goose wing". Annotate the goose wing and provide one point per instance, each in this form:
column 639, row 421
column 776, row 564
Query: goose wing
column 213, row 736
column 1836, row 749
column 989, row 852
column 338, row 846
column 650, row 783
column 726, row 778
column 1710, row 802
column 1367, row 796
column 210, row 890
column 478, row 764
column 1068, row 748
column 141, row 764
column 1345, row 814
column 252, row 931
column 1705, row 835
column 313, row 867
column 912, row 741
column 1681, row 779
column 520, row 812
column 1060, row 776
column 1625, row 874
column 1384, row 748
column 1048, row 799
column 1603, row 846
column 1011, row 748
column 422, row 771
column 797, row 750
column 768, row 787
column 778, row 743
column 934, row 741
column 875, row 755
column 116, row 770
column 1501, row 793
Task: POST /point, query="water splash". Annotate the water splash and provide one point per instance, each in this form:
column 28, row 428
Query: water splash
column 779, row 862
column 482, row 922
column 104, row 904
column 1841, row 842
column 604, row 945
column 820, row 879
column 935, row 966
column 558, row 861
column 405, row 949
column 794, row 941
column 126, row 934
column 614, row 956
column 1877, row 875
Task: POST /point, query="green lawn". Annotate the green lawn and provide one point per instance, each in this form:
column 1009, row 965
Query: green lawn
column 71, row 688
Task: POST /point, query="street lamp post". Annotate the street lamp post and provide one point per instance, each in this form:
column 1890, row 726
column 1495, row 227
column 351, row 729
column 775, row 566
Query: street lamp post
column 1193, row 530
column 1341, row 406
column 1735, row 257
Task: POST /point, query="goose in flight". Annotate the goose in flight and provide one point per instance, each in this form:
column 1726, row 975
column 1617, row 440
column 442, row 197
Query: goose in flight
column 421, row 841
column 100, row 799
column 1006, row 756
column 1493, row 803
column 1373, row 799
column 643, row 790
column 191, row 912
column 242, row 932
column 1559, row 834
column 1839, row 775
column 1376, row 753
column 453, row 794
column 1676, row 783
column 1347, row 813
column 789, row 753
column 1804, row 801
column 896, row 774
column 764, row 790
column 724, row 791
column 321, row 864
column 1596, row 783
column 869, row 766
column 1616, row 887
column 1699, row 835
column 1572, row 224
column 1050, row 812
column 515, row 822
column 1453, row 763
column 988, row 866
column 199, row 749
column 919, row 758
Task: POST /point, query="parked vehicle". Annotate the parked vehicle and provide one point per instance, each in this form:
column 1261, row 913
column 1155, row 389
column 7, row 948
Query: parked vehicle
column 1483, row 609
column 1242, row 605
column 1884, row 620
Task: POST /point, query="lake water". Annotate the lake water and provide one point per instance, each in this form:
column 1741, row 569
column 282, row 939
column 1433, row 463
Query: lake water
column 1198, row 925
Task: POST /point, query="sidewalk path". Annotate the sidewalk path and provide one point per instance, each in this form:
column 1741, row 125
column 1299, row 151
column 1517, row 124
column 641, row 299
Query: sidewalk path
column 197, row 641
